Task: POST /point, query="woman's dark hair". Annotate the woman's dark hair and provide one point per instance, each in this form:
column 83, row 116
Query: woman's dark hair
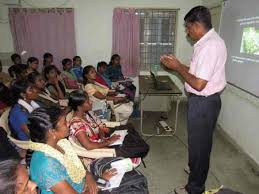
column 76, row 57
column 65, row 61
column 77, row 98
column 5, row 95
column 101, row 64
column 14, row 56
column 86, row 70
column 41, row 120
column 113, row 58
column 19, row 87
column 45, row 56
column 17, row 70
column 32, row 76
column 31, row 60
column 199, row 14
column 8, row 175
column 48, row 69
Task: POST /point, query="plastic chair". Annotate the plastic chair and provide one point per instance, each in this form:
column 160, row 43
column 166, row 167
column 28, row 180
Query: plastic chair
column 94, row 154
column 4, row 121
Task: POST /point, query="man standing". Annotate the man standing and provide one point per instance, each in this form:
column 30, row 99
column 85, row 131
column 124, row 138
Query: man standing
column 204, row 80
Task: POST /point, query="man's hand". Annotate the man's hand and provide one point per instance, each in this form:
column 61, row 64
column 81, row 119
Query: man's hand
column 170, row 62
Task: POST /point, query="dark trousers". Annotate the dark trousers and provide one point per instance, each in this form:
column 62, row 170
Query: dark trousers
column 202, row 117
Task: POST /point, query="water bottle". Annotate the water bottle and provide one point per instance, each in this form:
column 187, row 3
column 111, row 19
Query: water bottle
column 155, row 69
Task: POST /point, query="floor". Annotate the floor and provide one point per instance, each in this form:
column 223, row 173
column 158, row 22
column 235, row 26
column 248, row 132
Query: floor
column 168, row 157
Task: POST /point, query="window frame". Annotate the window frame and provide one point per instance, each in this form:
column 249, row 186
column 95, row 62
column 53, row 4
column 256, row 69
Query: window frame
column 147, row 66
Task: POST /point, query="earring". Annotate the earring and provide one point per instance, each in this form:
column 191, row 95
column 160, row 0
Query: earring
column 54, row 137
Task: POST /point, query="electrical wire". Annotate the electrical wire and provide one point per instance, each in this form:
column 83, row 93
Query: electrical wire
column 186, row 146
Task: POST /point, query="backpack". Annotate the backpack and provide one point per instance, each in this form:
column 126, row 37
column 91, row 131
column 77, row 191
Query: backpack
column 133, row 182
column 133, row 145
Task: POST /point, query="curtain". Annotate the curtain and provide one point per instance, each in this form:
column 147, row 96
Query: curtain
column 126, row 39
column 43, row 30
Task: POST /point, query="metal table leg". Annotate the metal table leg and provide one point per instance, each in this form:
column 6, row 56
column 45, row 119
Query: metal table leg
column 176, row 112
column 178, row 99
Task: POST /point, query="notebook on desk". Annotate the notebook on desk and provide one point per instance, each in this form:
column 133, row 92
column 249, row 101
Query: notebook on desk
column 158, row 85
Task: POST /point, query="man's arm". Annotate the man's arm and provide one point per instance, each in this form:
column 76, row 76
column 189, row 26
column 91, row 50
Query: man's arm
column 173, row 64
column 187, row 68
column 196, row 83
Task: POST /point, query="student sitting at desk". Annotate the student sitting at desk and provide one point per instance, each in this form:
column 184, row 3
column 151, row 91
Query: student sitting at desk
column 53, row 84
column 113, row 70
column 69, row 78
column 24, row 95
column 44, row 98
column 77, row 69
column 114, row 73
column 96, row 91
column 103, row 79
column 92, row 133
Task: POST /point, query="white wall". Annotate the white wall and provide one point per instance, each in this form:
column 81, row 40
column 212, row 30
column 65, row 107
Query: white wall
column 239, row 119
column 6, row 41
column 211, row 3
column 239, row 114
column 93, row 24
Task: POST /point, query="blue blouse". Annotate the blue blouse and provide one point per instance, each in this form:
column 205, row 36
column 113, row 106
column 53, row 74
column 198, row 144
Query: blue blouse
column 18, row 116
column 78, row 72
column 107, row 80
column 114, row 72
column 46, row 172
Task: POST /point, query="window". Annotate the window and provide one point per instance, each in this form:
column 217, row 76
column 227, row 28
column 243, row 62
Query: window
column 157, row 35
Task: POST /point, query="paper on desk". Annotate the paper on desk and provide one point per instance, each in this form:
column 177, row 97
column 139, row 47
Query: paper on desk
column 125, row 80
column 122, row 134
column 121, row 87
column 122, row 166
column 120, row 95
column 110, row 124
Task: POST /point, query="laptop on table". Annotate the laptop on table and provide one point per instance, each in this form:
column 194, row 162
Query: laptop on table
column 158, row 85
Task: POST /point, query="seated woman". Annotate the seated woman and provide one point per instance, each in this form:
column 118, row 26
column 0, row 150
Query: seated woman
column 44, row 98
column 69, row 78
column 103, row 79
column 115, row 74
column 123, row 108
column 14, row 178
column 47, row 59
column 54, row 165
column 32, row 65
column 77, row 68
column 17, row 60
column 114, row 69
column 91, row 133
column 53, row 84
column 24, row 95
column 20, row 73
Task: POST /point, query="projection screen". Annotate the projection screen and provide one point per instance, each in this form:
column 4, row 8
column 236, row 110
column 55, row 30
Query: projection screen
column 240, row 29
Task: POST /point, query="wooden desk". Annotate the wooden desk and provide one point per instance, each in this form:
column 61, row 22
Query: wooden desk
column 146, row 88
